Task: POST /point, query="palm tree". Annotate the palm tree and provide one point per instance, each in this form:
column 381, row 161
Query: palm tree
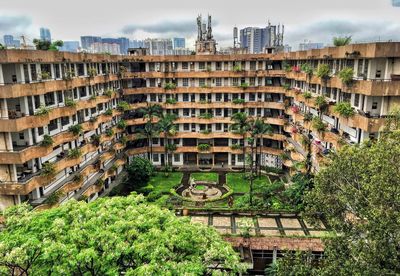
column 149, row 131
column 260, row 128
column 167, row 127
column 341, row 41
column 240, row 126
column 151, row 111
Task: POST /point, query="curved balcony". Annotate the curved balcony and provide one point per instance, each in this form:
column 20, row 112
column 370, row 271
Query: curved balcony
column 200, row 90
column 206, row 74
column 17, row 125
column 37, row 180
column 364, row 87
column 39, row 88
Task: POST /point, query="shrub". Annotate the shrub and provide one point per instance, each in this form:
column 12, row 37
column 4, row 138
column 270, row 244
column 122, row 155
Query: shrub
column 286, row 66
column 323, row 71
column 171, row 101
column 170, row 86
column 236, row 146
column 92, row 72
column 206, row 131
column 307, row 95
column 69, row 74
column 123, row 140
column 286, row 86
column 44, row 75
column 48, row 169
column 344, row 109
column 42, row 110
column 96, row 140
column 238, row 101
column 47, row 140
column 320, row 102
column 123, row 106
column 109, row 132
column 318, row 124
column 108, row 112
column 54, row 198
column 76, row 129
column 121, row 124
column 77, row 177
column 237, row 68
column 341, row 41
column 139, row 171
column 206, row 115
column 244, row 85
column 306, row 68
column 70, row 102
column 203, row 147
column 93, row 97
column 109, row 93
column 346, row 75
column 74, row 153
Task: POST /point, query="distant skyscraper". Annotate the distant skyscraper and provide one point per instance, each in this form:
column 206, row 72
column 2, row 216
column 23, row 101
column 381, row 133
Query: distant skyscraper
column 9, row 41
column 124, row 45
column 396, row 3
column 136, row 43
column 256, row 40
column 45, row 34
column 310, row 46
column 179, row 42
column 70, row 46
column 87, row 41
column 159, row 47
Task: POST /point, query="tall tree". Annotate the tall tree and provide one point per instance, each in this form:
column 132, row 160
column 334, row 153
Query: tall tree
column 151, row 111
column 358, row 194
column 149, row 131
column 167, row 127
column 260, row 129
column 241, row 125
column 110, row 236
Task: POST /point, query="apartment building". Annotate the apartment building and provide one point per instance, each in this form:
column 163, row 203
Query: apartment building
column 45, row 95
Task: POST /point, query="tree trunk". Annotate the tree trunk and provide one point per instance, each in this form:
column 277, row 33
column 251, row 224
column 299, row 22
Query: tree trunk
column 244, row 153
column 151, row 148
column 166, row 150
column 259, row 159
column 251, row 174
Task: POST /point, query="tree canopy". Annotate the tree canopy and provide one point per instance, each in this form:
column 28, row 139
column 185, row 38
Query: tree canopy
column 358, row 194
column 113, row 236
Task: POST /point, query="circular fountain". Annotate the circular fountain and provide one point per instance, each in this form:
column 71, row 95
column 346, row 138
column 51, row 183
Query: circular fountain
column 202, row 190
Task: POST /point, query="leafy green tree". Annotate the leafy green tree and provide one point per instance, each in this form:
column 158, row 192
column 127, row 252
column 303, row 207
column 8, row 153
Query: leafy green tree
column 46, row 45
column 113, row 236
column 341, row 41
column 139, row 171
column 359, row 197
column 149, row 131
column 294, row 194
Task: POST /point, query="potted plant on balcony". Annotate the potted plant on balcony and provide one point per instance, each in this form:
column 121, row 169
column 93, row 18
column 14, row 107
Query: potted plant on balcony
column 236, row 147
column 286, row 66
column 237, row 68
column 108, row 112
column 244, row 85
column 171, row 101
column 74, row 153
column 122, row 71
column 44, row 75
column 286, row 86
column 307, row 95
column 170, row 86
column 92, row 72
column 78, row 178
column 318, row 124
column 344, row 109
column 69, row 102
column 346, row 76
column 42, row 110
column 123, row 106
column 47, row 140
column 48, row 169
column 203, row 147
column 308, row 117
column 321, row 103
column 238, row 101
column 121, row 124
column 323, row 71
column 294, row 130
column 109, row 93
column 109, row 132
column 75, row 129
column 206, row 115
column 96, row 140
column 296, row 69
column 54, row 198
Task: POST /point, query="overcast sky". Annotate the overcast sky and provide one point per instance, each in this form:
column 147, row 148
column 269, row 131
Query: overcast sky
column 311, row 20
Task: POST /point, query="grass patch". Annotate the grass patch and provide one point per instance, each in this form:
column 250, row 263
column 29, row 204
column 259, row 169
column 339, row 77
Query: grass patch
column 205, row 176
column 200, row 187
column 239, row 184
column 163, row 183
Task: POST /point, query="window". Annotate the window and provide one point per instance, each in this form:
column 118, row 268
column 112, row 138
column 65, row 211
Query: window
column 235, row 81
column 218, row 97
column 186, row 112
column 185, row 66
column 49, row 99
column 374, row 105
column 177, row 157
column 252, row 81
column 202, row 82
column 185, row 97
column 252, row 65
column 155, row 157
column 185, row 82
column 202, row 65
column 153, row 98
column 152, row 82
column 356, row 99
column 239, row 158
column 40, row 131
column 218, row 82
column 252, row 97
column 186, row 127
column 218, row 127
column 21, row 136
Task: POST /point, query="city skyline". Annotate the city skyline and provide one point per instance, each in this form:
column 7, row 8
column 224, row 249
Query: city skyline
column 318, row 24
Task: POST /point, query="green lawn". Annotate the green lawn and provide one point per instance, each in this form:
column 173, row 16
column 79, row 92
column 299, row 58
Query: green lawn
column 236, row 182
column 200, row 187
column 205, row 176
column 162, row 183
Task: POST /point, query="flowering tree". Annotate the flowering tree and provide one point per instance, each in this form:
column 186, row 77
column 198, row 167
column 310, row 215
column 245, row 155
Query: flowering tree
column 114, row 236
